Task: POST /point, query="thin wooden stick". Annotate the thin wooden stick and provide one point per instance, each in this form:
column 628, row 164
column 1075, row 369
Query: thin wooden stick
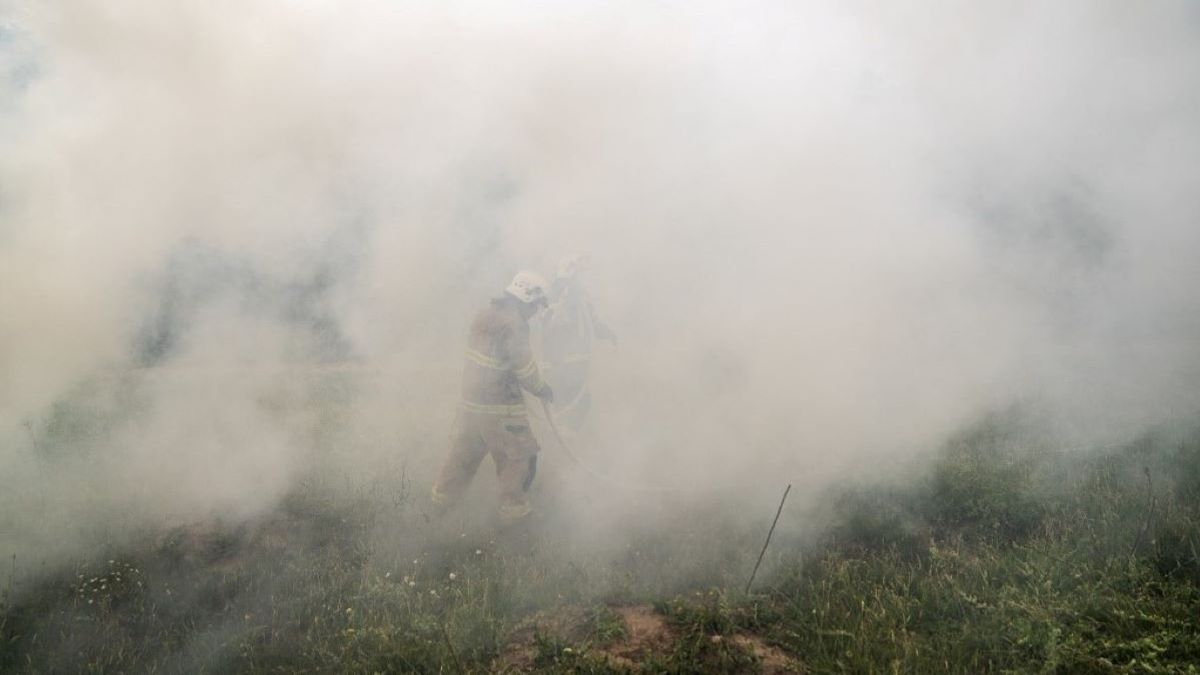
column 768, row 541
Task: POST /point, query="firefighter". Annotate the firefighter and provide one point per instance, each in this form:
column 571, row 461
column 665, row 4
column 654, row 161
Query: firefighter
column 570, row 328
column 491, row 418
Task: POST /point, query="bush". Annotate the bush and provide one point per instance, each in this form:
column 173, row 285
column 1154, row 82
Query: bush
column 878, row 520
column 982, row 486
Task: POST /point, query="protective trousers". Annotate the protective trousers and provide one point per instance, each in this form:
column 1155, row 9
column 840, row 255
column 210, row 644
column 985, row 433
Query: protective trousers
column 513, row 449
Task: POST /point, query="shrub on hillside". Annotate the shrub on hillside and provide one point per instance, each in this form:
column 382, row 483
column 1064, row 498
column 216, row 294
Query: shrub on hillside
column 878, row 519
column 983, row 485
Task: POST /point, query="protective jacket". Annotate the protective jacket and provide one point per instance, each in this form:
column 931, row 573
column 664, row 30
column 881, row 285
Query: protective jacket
column 571, row 326
column 569, row 331
column 499, row 362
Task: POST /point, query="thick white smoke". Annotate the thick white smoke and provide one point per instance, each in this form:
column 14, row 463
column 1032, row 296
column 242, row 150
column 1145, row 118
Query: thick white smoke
column 825, row 232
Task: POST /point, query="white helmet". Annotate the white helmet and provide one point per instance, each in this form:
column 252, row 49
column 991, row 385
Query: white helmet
column 528, row 286
column 573, row 264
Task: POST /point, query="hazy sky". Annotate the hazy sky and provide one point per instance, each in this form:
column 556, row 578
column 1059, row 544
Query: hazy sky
column 826, row 232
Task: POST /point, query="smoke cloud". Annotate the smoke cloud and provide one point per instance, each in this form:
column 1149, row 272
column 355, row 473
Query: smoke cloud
column 240, row 242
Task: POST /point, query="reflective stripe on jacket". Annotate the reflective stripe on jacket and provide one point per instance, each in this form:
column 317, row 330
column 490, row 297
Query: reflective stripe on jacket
column 499, row 362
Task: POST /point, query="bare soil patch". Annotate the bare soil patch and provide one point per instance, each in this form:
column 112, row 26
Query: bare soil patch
column 647, row 634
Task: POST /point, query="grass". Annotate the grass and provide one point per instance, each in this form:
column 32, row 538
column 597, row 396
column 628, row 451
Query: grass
column 1002, row 558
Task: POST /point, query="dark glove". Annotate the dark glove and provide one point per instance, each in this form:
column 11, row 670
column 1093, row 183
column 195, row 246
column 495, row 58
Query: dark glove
column 546, row 393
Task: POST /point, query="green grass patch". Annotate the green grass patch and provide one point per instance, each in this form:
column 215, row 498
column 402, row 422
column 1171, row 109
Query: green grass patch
column 1000, row 558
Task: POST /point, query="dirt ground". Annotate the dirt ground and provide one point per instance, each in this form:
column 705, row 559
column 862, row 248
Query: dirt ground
column 647, row 634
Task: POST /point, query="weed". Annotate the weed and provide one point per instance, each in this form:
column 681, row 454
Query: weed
column 605, row 626
column 1002, row 560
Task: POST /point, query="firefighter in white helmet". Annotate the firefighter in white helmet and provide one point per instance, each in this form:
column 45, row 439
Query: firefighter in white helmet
column 492, row 418
column 570, row 328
